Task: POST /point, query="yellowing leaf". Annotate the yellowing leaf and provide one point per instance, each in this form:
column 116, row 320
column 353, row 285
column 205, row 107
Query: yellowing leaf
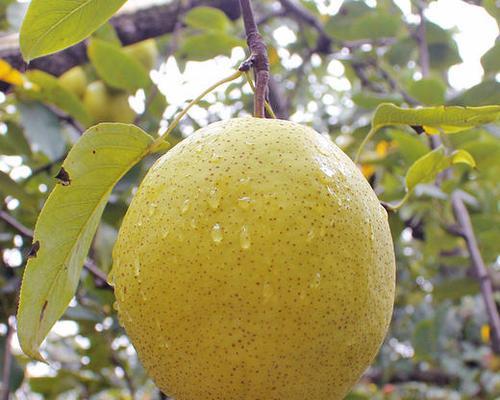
column 382, row 148
column 367, row 170
column 463, row 157
column 485, row 333
column 67, row 224
column 53, row 25
column 9, row 74
column 430, row 130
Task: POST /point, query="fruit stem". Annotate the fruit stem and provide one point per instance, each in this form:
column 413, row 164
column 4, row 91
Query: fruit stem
column 159, row 142
column 260, row 60
column 367, row 138
column 269, row 109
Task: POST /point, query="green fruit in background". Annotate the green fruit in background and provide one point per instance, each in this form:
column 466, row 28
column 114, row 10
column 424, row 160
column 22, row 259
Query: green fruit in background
column 146, row 52
column 120, row 110
column 74, row 80
column 255, row 262
column 106, row 106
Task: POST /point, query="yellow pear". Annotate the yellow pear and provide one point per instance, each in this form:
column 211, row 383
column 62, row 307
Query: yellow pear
column 74, row 80
column 255, row 262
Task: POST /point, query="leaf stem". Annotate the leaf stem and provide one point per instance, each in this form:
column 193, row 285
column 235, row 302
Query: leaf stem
column 159, row 142
column 367, row 138
column 269, row 109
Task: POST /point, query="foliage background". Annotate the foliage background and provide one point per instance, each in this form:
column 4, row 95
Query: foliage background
column 330, row 73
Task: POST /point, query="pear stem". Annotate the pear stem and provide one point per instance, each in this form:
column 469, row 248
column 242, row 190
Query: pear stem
column 259, row 57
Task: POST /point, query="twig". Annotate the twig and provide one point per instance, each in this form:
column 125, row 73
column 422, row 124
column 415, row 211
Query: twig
column 7, row 362
column 324, row 42
column 128, row 380
column 14, row 223
column 463, row 218
column 258, row 57
column 422, row 41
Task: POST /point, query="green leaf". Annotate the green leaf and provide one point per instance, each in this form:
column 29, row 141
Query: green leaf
column 446, row 119
column 429, row 91
column 48, row 89
column 373, row 25
column 427, row 167
column 425, row 340
column 14, row 142
column 400, row 52
column 42, row 129
column 211, row 44
column 410, row 147
column 12, row 188
column 116, row 67
column 53, row 25
column 371, row 100
column 491, row 59
column 207, row 18
column 67, row 224
column 455, row 289
column 486, row 92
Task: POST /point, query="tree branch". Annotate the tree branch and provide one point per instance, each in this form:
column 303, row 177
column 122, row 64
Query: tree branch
column 481, row 273
column 130, row 27
column 462, row 217
column 258, row 58
column 14, row 223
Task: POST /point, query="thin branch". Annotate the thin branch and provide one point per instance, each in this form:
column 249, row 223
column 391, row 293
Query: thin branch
column 258, row 57
column 324, row 42
column 462, row 217
column 422, row 40
column 14, row 223
column 481, row 273
column 7, row 362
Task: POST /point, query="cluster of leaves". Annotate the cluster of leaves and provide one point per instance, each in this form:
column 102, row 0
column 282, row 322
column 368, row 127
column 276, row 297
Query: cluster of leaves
column 438, row 344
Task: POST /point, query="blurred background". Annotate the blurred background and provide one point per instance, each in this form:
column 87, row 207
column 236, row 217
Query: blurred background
column 332, row 63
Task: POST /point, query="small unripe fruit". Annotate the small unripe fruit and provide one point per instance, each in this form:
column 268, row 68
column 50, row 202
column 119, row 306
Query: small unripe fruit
column 105, row 106
column 146, row 52
column 74, row 80
column 255, row 262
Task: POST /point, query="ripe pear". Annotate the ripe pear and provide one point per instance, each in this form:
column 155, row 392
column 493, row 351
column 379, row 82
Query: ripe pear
column 146, row 52
column 74, row 80
column 255, row 262
column 106, row 106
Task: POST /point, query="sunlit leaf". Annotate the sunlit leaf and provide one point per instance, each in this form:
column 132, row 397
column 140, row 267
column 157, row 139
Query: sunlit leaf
column 446, row 119
column 93, row 166
column 426, row 168
column 116, row 67
column 53, row 25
